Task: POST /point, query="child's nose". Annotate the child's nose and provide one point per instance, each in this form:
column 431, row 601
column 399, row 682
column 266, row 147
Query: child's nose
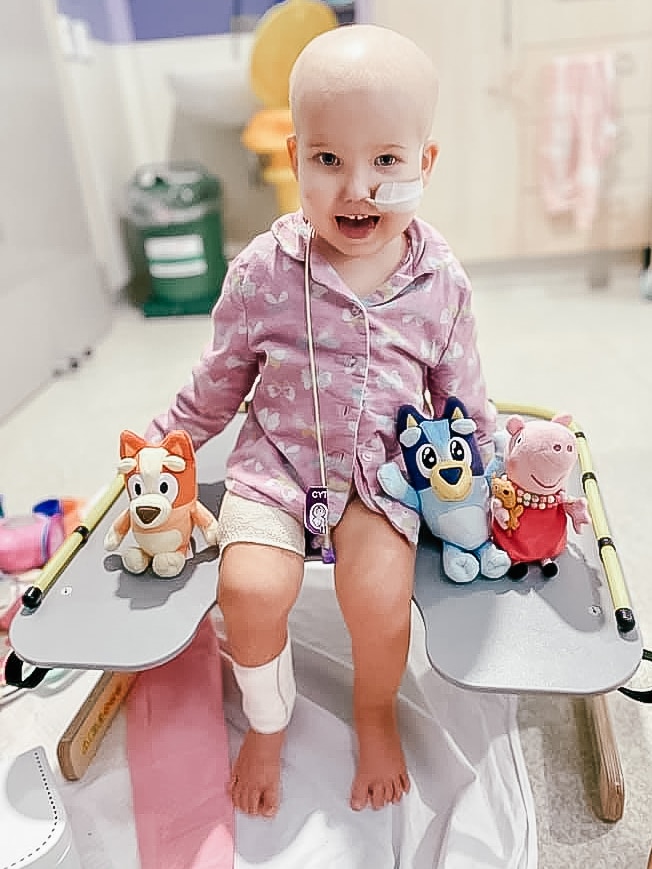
column 358, row 185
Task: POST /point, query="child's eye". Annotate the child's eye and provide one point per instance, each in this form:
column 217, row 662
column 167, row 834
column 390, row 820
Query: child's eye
column 385, row 160
column 328, row 159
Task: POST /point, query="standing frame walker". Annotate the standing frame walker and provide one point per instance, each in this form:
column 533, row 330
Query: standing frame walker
column 574, row 634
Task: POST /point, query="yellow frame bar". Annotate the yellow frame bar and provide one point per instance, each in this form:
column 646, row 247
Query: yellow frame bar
column 53, row 568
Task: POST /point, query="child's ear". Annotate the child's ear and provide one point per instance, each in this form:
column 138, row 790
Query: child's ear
column 430, row 153
column 291, row 143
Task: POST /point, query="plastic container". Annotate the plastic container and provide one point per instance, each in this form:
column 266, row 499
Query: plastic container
column 176, row 211
column 27, row 542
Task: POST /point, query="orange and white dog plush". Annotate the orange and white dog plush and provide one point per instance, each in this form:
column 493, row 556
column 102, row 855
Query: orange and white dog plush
column 163, row 509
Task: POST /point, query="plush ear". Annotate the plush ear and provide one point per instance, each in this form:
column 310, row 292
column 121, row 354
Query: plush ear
column 461, row 424
column 178, row 443
column 514, row 424
column 411, row 434
column 181, row 451
column 404, row 412
column 408, row 421
column 563, row 419
column 454, row 409
column 130, row 444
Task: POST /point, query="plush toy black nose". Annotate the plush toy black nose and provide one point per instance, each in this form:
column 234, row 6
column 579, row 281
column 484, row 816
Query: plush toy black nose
column 451, row 475
column 147, row 514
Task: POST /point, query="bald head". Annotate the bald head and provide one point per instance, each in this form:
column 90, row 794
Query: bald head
column 364, row 58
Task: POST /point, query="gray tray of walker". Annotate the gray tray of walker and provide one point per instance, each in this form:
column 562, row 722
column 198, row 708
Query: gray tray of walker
column 554, row 635
column 534, row 635
column 97, row 615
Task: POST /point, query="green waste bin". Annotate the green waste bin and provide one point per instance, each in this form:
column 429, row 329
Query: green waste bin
column 175, row 211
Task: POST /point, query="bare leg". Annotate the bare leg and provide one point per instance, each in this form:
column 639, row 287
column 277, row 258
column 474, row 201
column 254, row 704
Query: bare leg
column 373, row 576
column 257, row 588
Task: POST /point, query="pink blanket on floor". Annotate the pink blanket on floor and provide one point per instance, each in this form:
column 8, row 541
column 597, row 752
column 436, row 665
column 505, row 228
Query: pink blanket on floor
column 179, row 763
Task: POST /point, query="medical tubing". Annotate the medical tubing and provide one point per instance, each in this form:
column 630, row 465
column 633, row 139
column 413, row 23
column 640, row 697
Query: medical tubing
column 313, row 378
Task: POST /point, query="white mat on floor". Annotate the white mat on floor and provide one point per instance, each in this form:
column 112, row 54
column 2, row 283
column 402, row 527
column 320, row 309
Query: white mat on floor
column 470, row 806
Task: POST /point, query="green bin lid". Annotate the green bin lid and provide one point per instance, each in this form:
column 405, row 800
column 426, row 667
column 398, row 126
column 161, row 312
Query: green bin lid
column 162, row 193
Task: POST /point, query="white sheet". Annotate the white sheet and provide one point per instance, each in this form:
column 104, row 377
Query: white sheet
column 470, row 806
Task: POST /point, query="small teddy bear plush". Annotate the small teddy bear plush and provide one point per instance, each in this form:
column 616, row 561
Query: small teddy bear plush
column 163, row 509
column 503, row 490
column 531, row 524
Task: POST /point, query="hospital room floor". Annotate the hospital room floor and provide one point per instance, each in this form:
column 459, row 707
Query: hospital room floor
column 548, row 339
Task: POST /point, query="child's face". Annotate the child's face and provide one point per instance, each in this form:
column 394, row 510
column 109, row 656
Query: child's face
column 346, row 145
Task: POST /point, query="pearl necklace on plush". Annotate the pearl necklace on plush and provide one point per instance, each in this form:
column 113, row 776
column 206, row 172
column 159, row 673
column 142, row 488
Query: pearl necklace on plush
column 540, row 502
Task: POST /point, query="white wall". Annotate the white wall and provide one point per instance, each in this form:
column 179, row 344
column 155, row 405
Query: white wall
column 485, row 193
column 123, row 114
column 104, row 141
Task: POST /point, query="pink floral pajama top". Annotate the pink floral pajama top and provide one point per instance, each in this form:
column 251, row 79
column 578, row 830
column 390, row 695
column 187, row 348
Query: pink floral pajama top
column 415, row 333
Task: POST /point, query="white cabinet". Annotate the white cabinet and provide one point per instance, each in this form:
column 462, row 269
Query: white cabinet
column 53, row 306
column 485, row 193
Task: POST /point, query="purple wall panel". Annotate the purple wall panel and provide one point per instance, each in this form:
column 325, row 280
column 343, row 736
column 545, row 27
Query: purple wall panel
column 160, row 19
column 109, row 20
column 126, row 20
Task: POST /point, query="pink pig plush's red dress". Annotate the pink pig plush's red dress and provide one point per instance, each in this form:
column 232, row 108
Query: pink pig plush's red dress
column 540, row 534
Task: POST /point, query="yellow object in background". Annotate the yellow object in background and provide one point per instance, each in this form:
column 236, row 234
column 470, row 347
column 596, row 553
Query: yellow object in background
column 280, row 37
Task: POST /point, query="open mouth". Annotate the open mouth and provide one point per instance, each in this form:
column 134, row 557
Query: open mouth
column 357, row 225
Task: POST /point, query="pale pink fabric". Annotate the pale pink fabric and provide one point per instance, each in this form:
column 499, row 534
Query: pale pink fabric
column 578, row 133
column 178, row 761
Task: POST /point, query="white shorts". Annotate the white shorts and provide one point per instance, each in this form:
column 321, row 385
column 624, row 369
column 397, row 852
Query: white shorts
column 243, row 521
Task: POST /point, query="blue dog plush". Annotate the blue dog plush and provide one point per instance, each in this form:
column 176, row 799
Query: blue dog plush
column 448, row 487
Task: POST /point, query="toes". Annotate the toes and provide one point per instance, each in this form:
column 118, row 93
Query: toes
column 359, row 797
column 252, row 802
column 270, row 802
column 379, row 794
column 384, row 793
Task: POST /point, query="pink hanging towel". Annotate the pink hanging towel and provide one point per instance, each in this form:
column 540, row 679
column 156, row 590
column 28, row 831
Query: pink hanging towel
column 578, row 134
column 178, row 757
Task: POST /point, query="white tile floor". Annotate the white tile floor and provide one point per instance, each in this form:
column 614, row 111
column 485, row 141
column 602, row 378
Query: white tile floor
column 546, row 339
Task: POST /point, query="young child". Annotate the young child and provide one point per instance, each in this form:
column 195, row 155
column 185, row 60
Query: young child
column 392, row 324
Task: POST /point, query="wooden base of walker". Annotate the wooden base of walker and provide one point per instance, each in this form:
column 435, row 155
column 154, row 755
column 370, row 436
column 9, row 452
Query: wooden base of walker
column 611, row 782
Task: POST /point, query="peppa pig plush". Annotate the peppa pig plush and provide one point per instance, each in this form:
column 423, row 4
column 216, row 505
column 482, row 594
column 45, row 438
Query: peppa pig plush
column 530, row 507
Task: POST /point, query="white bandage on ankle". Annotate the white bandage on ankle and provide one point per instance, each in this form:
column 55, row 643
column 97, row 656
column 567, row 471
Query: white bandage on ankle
column 268, row 692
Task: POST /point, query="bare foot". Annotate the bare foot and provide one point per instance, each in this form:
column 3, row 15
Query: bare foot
column 256, row 774
column 381, row 776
